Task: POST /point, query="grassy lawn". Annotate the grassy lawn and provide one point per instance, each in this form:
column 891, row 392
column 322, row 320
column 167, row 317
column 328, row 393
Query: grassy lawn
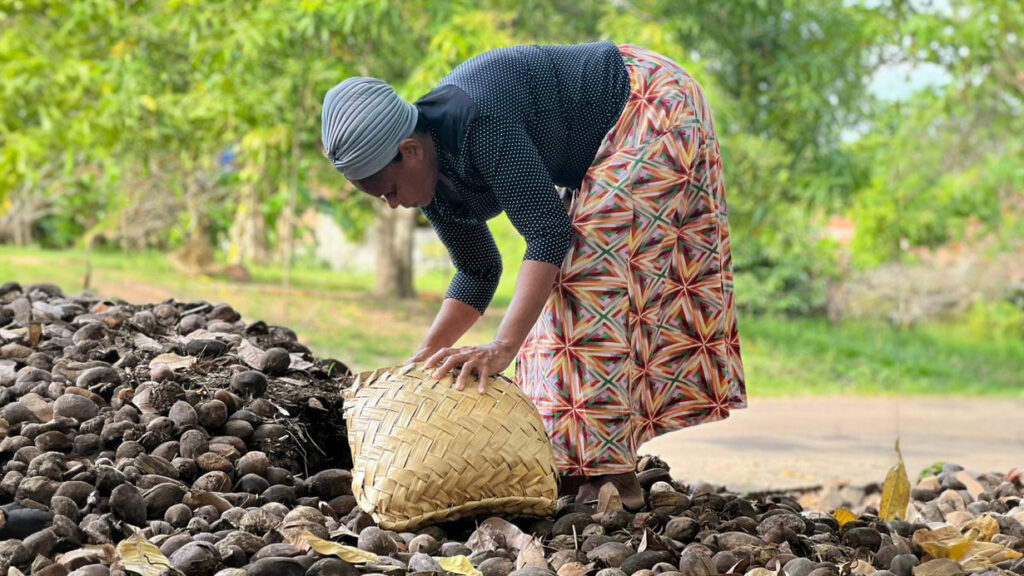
column 336, row 316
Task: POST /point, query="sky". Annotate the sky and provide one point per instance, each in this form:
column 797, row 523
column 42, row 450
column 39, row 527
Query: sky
column 895, row 82
column 899, row 81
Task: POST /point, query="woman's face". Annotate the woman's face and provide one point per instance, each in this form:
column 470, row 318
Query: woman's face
column 408, row 182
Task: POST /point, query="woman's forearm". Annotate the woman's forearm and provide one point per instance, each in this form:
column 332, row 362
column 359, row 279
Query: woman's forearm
column 456, row 318
column 532, row 290
column 453, row 320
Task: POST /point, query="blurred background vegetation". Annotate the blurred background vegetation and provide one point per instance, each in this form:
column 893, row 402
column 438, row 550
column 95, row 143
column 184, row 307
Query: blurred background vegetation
column 159, row 149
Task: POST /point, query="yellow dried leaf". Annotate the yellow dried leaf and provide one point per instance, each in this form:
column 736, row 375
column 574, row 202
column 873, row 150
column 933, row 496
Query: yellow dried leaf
column 141, row 556
column 458, row 565
column 938, row 567
column 843, row 516
column 944, row 542
column 986, row 527
column 895, row 491
column 984, row 555
column 347, row 553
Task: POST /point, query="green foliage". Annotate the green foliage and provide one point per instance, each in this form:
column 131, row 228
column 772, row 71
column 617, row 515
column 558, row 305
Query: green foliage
column 107, row 106
column 1000, row 321
column 795, row 70
column 784, row 78
column 949, row 161
column 934, row 470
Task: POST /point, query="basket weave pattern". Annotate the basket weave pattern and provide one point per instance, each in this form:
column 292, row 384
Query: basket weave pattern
column 424, row 452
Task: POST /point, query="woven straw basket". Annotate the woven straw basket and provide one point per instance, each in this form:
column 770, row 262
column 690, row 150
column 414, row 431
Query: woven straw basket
column 424, row 452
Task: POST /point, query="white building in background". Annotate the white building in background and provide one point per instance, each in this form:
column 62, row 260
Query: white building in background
column 337, row 252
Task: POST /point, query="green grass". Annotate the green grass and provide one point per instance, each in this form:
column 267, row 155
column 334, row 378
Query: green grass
column 789, row 357
column 337, row 316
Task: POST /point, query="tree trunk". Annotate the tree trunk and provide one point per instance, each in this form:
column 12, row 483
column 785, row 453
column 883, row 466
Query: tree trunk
column 248, row 239
column 394, row 236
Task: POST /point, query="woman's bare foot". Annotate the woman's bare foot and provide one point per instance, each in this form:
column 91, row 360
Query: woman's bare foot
column 627, row 485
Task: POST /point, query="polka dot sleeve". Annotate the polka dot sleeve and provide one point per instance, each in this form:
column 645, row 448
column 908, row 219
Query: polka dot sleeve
column 474, row 254
column 507, row 159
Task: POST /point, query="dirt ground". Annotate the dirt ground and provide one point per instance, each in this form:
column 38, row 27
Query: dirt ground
column 802, row 442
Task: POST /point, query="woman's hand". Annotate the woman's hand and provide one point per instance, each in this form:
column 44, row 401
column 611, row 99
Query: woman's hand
column 424, row 353
column 532, row 291
column 484, row 361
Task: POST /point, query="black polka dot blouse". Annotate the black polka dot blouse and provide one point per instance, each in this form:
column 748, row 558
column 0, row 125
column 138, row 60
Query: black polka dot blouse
column 510, row 125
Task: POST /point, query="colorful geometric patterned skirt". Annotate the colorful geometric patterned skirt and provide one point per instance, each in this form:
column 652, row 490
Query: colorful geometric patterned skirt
column 639, row 335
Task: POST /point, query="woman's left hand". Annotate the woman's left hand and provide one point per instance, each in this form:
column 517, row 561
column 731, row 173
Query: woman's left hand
column 483, row 361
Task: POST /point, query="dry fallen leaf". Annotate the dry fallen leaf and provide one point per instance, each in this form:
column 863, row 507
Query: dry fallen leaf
column 495, row 533
column 298, row 362
column 250, row 354
column 986, row 527
column 984, row 555
column 173, row 361
column 343, row 531
column 347, row 553
column 842, row 516
column 458, row 565
column 651, row 541
column 944, row 542
column 99, row 554
column 895, row 491
column 938, row 567
column 532, row 555
column 973, row 556
column 608, row 500
column 147, row 344
column 142, row 556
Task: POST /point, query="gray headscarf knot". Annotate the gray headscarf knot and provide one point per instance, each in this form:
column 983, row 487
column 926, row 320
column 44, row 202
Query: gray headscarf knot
column 363, row 122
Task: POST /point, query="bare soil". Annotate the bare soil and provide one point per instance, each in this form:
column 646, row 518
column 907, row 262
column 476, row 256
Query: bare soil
column 803, row 442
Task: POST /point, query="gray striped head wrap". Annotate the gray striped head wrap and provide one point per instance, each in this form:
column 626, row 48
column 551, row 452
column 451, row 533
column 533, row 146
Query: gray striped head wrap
column 363, row 122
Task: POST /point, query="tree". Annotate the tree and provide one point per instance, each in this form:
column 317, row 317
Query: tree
column 970, row 172
column 785, row 78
